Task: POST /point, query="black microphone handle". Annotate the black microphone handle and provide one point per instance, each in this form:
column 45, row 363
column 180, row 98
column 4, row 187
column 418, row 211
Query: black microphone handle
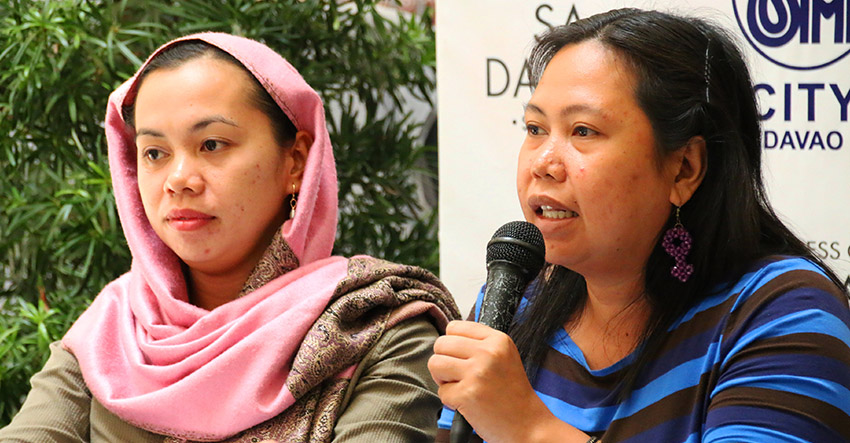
column 505, row 284
column 461, row 431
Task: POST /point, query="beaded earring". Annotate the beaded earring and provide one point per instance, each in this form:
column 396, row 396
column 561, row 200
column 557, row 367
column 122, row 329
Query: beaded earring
column 293, row 202
column 677, row 243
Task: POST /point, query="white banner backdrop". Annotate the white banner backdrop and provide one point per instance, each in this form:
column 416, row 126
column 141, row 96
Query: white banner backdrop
column 798, row 57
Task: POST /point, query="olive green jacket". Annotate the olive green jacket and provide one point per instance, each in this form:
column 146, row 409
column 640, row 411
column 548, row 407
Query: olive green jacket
column 392, row 399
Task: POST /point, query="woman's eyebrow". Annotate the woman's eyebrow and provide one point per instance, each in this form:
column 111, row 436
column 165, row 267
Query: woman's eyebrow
column 201, row 124
column 567, row 110
column 531, row 107
column 151, row 132
column 213, row 119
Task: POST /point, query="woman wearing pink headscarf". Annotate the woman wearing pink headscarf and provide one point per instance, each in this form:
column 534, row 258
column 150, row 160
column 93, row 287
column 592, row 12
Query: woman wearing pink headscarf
column 234, row 323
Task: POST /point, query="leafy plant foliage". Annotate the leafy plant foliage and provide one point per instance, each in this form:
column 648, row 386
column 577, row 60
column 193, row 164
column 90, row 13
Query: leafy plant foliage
column 60, row 238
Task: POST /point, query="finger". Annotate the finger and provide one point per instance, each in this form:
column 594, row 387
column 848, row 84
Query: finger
column 445, row 369
column 446, row 392
column 469, row 329
column 456, row 346
column 458, row 396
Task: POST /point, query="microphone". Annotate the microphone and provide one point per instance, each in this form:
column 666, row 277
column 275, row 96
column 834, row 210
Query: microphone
column 515, row 254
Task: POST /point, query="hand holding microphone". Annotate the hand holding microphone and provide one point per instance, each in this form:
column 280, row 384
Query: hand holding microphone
column 477, row 366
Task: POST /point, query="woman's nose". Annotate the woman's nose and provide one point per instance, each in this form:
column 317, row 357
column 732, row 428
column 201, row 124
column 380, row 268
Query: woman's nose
column 549, row 162
column 185, row 176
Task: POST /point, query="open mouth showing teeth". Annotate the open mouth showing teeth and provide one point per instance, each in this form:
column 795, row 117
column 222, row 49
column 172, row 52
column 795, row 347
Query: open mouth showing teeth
column 550, row 212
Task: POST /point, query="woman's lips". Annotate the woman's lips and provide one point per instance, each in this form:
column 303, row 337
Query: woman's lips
column 549, row 208
column 551, row 212
column 187, row 219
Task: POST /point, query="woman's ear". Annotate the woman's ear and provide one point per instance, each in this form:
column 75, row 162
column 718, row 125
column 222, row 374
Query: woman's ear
column 298, row 154
column 690, row 163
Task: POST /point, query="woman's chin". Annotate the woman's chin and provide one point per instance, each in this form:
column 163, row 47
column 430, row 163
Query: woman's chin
column 203, row 260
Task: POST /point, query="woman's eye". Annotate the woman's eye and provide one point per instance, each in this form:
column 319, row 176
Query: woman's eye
column 533, row 130
column 153, row 154
column 583, row 131
column 212, row 145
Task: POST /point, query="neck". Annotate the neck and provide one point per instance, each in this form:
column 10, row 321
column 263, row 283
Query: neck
column 612, row 322
column 209, row 291
column 211, row 288
column 609, row 300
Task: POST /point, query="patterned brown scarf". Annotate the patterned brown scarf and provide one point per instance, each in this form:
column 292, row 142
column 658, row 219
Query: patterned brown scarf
column 374, row 296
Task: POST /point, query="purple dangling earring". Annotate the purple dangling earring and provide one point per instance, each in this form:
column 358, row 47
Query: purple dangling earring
column 677, row 242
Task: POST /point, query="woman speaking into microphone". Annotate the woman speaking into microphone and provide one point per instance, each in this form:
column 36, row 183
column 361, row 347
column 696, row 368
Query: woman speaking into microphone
column 675, row 305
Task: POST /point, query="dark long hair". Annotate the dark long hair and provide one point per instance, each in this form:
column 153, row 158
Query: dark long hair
column 691, row 80
column 183, row 51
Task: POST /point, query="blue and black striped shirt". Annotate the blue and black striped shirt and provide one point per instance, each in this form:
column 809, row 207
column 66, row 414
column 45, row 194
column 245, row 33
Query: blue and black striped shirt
column 767, row 360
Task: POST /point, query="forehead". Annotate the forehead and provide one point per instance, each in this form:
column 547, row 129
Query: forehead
column 197, row 83
column 586, row 74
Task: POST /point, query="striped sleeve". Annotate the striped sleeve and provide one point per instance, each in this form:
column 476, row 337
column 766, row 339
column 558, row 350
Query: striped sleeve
column 784, row 361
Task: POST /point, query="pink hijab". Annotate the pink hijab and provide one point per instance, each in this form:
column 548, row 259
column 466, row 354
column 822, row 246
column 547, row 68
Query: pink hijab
column 161, row 363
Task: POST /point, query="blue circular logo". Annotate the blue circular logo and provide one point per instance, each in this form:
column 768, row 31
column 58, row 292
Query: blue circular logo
column 796, row 34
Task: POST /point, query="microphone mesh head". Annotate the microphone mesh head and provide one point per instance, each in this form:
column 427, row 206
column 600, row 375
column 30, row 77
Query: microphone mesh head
column 520, row 243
